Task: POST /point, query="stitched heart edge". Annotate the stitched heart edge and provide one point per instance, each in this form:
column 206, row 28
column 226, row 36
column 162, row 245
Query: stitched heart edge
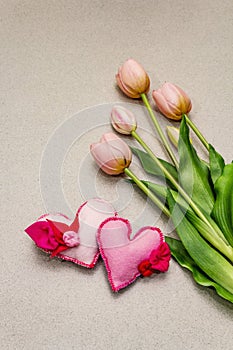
column 105, row 259
column 68, row 258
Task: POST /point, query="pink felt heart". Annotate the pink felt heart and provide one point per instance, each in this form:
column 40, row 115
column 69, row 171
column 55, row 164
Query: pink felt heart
column 122, row 256
column 72, row 240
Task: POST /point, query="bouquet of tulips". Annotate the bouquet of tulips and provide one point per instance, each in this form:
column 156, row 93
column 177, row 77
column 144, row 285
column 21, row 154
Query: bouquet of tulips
column 197, row 195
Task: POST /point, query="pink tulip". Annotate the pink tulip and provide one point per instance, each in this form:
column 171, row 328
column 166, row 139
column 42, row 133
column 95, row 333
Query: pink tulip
column 172, row 101
column 111, row 154
column 132, row 79
column 123, row 120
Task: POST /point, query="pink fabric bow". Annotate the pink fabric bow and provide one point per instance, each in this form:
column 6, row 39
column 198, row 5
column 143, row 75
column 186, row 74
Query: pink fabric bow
column 51, row 235
column 157, row 262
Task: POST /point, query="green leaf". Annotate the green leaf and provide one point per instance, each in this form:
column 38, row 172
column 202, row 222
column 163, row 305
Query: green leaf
column 212, row 233
column 216, row 164
column 223, row 207
column 151, row 167
column 159, row 190
column 194, row 175
column 183, row 258
column 206, row 257
column 162, row 192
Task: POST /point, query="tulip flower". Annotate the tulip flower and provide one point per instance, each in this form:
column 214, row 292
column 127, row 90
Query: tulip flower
column 172, row 101
column 132, row 79
column 123, row 120
column 111, row 154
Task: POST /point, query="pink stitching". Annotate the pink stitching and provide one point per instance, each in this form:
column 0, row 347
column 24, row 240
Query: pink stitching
column 59, row 214
column 116, row 218
column 153, row 228
column 74, row 260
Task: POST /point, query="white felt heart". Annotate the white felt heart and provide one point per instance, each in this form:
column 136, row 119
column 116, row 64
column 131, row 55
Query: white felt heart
column 122, row 255
column 72, row 240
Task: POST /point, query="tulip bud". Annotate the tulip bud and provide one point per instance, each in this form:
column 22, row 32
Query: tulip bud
column 173, row 134
column 172, row 101
column 111, row 154
column 123, row 120
column 132, row 79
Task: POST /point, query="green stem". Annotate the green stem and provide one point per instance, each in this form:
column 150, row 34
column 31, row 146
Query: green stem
column 146, row 190
column 171, row 178
column 197, row 132
column 159, row 130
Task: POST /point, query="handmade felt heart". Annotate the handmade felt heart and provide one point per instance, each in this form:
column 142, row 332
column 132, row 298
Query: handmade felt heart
column 72, row 240
column 125, row 259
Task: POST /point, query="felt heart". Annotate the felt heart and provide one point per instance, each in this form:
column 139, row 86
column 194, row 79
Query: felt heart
column 126, row 258
column 73, row 240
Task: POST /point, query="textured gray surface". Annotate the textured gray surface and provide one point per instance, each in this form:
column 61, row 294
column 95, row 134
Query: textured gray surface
column 57, row 58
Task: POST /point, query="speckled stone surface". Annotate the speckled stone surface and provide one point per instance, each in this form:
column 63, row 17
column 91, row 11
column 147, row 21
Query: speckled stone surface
column 56, row 59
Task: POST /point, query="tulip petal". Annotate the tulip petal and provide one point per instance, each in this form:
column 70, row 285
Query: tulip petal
column 163, row 105
column 112, row 154
column 132, row 79
column 123, row 120
column 172, row 101
column 126, row 89
column 103, row 157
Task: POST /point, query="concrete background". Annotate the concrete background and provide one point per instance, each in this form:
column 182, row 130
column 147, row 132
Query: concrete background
column 57, row 58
